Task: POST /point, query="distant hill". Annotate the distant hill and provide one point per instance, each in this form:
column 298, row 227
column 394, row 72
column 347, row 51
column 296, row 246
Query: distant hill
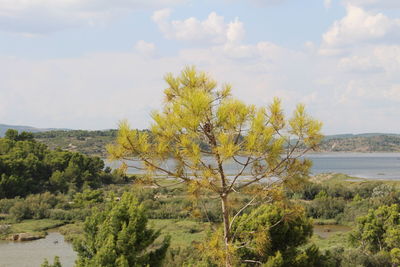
column 87, row 142
column 341, row 136
column 369, row 142
column 20, row 128
column 94, row 142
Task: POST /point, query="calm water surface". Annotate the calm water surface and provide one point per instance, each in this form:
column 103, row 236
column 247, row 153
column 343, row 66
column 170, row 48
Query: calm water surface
column 33, row 253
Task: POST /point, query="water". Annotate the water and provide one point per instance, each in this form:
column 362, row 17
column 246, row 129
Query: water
column 384, row 166
column 364, row 165
column 33, row 253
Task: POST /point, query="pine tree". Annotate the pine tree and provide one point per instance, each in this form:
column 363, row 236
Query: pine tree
column 119, row 237
column 199, row 120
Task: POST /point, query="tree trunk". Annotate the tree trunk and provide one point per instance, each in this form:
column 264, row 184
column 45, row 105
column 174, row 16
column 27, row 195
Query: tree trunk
column 227, row 231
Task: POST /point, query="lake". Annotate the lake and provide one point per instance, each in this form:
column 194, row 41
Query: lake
column 33, row 253
column 384, row 166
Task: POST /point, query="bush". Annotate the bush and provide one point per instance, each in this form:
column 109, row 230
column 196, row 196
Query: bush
column 325, row 207
column 20, row 211
column 62, row 215
column 6, row 204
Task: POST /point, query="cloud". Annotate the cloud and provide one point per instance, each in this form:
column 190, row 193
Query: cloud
column 327, row 3
column 393, row 93
column 145, row 47
column 375, row 3
column 356, row 91
column 98, row 90
column 46, row 16
column 360, row 26
column 213, row 29
column 264, row 3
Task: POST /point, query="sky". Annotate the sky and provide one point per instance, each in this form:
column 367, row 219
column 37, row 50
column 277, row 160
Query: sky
column 87, row 64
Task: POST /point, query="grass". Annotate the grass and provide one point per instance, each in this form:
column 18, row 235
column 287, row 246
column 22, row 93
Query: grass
column 29, row 226
column 71, row 231
column 32, row 227
column 335, row 240
column 183, row 232
column 324, row 221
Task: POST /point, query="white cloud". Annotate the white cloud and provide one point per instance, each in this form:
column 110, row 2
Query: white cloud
column 327, row 3
column 375, row 3
column 98, row 90
column 213, row 29
column 265, row 2
column 354, row 91
column 360, row 26
column 145, row 47
column 235, row 31
column 393, row 93
column 44, row 16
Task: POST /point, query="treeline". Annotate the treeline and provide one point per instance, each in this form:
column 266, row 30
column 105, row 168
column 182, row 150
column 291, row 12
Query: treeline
column 29, row 167
column 87, row 142
column 75, row 133
column 342, row 202
column 372, row 208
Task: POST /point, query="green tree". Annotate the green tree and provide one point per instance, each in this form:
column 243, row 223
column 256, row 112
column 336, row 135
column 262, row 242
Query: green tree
column 270, row 232
column 199, row 120
column 119, row 237
column 27, row 167
column 12, row 134
column 379, row 232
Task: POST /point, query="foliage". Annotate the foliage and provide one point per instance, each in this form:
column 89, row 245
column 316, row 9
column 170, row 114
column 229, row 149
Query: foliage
column 270, row 232
column 119, row 236
column 325, row 207
column 379, row 230
column 86, row 142
column 56, row 263
column 28, row 167
column 197, row 119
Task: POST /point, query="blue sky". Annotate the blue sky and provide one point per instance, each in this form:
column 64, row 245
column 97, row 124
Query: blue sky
column 89, row 63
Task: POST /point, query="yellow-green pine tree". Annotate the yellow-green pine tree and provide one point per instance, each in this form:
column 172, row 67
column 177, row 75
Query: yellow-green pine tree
column 199, row 120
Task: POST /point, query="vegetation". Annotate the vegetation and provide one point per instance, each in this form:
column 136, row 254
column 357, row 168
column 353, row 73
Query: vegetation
column 198, row 119
column 272, row 233
column 362, row 143
column 94, row 142
column 28, row 167
column 193, row 235
column 87, row 142
column 119, row 237
column 262, row 215
column 56, row 263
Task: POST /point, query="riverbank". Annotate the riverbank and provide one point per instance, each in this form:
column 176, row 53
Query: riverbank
column 27, row 230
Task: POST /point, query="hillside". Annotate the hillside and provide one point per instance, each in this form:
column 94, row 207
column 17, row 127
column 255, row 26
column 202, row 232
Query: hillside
column 94, row 142
column 21, row 128
column 362, row 143
column 86, row 142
